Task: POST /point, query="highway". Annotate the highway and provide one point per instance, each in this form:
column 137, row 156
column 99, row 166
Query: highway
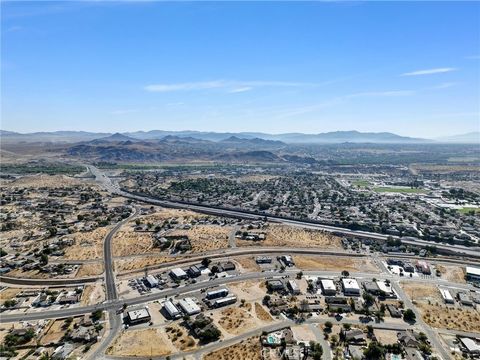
column 241, row 214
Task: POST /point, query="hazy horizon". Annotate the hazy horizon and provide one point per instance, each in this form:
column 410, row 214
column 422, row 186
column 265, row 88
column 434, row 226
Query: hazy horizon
column 241, row 67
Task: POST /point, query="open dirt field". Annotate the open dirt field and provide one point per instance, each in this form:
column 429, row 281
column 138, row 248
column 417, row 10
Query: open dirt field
column 249, row 349
column 206, row 237
column 93, row 294
column 247, row 264
column 47, row 181
column 129, row 242
column 123, row 265
column 162, row 214
column 249, row 290
column 236, row 320
column 303, row 333
column 282, row 235
column 422, row 292
column 53, row 332
column 89, row 269
column 88, row 245
column 452, row 273
column 446, row 317
column 334, row 264
column 386, row 336
column 180, row 338
column 146, row 342
column 8, row 293
column 261, row 313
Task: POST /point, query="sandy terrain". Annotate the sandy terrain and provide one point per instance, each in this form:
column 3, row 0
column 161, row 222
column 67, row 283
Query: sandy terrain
column 334, row 264
column 463, row 319
column 8, row 293
column 249, row 349
column 93, row 294
column 180, row 338
column 140, row 263
column 206, row 237
column 452, row 273
column 129, row 242
column 247, row 264
column 89, row 269
column 281, row 235
column 386, row 336
column 88, row 245
column 422, row 292
column 303, row 333
column 249, row 290
column 236, row 320
column 43, row 180
column 261, row 313
column 53, row 332
column 145, row 342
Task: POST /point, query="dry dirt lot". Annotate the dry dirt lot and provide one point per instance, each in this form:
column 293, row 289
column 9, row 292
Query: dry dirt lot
column 261, row 313
column 180, row 338
column 123, row 265
column 249, row 349
column 236, row 320
column 452, row 273
column 129, row 242
column 249, row 290
column 442, row 316
column 53, row 332
column 247, row 264
column 88, row 245
column 282, row 235
column 47, row 181
column 145, row 342
column 386, row 336
column 334, row 263
column 8, row 293
column 93, row 294
column 206, row 237
column 421, row 292
column 89, row 269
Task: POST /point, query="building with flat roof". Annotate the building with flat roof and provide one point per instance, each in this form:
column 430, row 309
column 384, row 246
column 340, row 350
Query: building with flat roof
column 472, row 273
column 470, row 345
column 350, row 287
column 189, row 306
column 293, row 287
column 447, row 297
column 328, row 287
column 215, row 294
column 263, row 260
column 151, row 281
column 224, row 301
column 275, row 285
column 287, row 260
column 385, row 289
column 171, row 309
column 138, row 316
column 178, row 274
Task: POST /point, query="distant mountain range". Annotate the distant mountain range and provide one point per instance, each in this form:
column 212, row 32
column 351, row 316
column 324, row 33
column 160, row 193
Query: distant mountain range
column 468, row 138
column 260, row 138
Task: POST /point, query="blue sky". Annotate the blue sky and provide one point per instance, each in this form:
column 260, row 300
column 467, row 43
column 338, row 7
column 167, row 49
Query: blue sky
column 407, row 67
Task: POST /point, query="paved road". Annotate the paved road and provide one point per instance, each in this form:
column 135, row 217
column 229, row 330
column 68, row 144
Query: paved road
column 114, row 319
column 114, row 188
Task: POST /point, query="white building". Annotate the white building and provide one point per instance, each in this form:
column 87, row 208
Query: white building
column 350, row 287
column 473, row 273
column 386, row 288
column 470, row 345
column 328, row 287
column 178, row 274
column 171, row 309
column 152, row 281
column 215, row 294
column 293, row 286
column 189, row 306
column 447, row 297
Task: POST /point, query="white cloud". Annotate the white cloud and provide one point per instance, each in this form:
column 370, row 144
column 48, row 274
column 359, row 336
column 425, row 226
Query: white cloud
column 231, row 85
column 429, row 71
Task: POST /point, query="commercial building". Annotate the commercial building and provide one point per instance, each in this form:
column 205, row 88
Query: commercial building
column 178, row 274
column 350, row 287
column 447, row 297
column 263, row 260
column 151, row 281
column 171, row 309
column 423, row 267
column 371, row 287
column 215, row 294
column 472, row 273
column 275, row 285
column 293, row 287
column 385, row 289
column 464, row 299
column 470, row 345
column 189, row 306
column 138, row 316
column 328, row 287
column 224, row 301
column 287, row 260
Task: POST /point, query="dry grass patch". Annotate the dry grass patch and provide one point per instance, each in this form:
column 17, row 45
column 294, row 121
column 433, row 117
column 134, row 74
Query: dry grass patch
column 180, row 338
column 44, row 180
column 124, row 265
column 452, row 273
column 53, row 332
column 93, row 294
column 386, row 336
column 146, row 342
column 206, row 237
column 442, row 316
column 334, row 263
column 249, row 349
column 89, row 269
column 249, row 290
column 282, row 235
column 8, row 294
column 129, row 242
column 248, row 264
column 236, row 321
column 261, row 313
column 88, row 245
column 421, row 292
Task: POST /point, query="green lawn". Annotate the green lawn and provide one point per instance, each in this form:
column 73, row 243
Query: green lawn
column 466, row 210
column 362, row 183
column 400, row 190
